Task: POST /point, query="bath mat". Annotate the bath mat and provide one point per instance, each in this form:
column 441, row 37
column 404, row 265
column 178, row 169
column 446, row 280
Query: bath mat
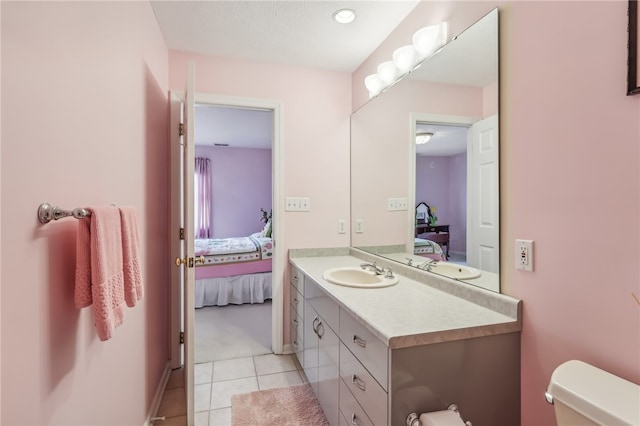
column 290, row 406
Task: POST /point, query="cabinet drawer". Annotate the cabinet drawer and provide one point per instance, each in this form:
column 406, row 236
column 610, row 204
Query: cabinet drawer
column 351, row 410
column 296, row 279
column 297, row 304
column 296, row 341
column 366, row 390
column 371, row 352
column 297, row 323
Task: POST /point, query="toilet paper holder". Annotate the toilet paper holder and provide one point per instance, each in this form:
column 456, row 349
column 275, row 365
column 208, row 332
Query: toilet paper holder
column 413, row 419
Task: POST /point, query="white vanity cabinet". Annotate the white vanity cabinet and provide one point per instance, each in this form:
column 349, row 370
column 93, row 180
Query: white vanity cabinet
column 321, row 348
column 296, row 312
column 441, row 350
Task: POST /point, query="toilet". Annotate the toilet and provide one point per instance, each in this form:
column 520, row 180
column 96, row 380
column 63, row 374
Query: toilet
column 584, row 395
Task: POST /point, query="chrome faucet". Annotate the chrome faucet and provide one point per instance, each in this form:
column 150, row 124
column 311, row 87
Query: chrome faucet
column 373, row 267
column 428, row 264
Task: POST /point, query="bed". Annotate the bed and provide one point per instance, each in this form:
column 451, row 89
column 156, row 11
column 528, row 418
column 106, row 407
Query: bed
column 428, row 248
column 235, row 270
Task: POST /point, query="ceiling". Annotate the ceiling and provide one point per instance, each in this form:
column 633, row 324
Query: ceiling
column 302, row 33
column 290, row 32
column 298, row 33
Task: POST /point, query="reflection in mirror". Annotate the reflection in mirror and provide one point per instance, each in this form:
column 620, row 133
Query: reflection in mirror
column 451, row 180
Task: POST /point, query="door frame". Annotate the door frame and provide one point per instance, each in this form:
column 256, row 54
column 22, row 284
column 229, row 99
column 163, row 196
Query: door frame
column 414, row 118
column 277, row 155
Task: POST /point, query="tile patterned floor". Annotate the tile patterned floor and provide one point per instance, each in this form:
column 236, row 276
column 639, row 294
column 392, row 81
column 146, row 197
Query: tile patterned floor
column 216, row 381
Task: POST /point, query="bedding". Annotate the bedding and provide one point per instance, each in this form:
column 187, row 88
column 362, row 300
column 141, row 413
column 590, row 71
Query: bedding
column 242, row 272
column 428, row 248
column 232, row 250
column 236, row 290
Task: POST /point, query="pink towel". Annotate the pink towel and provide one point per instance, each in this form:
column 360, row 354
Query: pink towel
column 103, row 256
column 82, row 294
column 133, row 289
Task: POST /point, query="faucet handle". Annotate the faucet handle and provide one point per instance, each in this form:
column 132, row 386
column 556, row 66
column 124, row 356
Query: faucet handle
column 388, row 272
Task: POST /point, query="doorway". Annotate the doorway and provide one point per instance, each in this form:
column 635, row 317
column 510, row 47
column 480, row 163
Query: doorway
column 276, row 311
column 233, row 208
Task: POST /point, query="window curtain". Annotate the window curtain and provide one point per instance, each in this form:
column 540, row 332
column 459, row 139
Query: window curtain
column 202, row 198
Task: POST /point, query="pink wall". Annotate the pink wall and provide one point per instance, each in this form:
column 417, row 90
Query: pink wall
column 86, row 124
column 570, row 163
column 569, row 167
column 316, row 108
column 241, row 187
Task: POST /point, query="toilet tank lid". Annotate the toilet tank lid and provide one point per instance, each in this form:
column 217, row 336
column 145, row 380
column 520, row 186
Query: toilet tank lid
column 596, row 394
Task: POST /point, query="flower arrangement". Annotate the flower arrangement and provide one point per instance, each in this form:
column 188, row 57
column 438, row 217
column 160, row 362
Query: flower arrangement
column 432, row 217
column 266, row 217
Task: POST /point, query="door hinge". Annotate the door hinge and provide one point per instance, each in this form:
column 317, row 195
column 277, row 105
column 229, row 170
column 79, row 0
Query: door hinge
column 182, row 337
column 181, row 235
column 181, row 129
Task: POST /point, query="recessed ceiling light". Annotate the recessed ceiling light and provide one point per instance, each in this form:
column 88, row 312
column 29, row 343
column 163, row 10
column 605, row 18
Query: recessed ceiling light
column 344, row 16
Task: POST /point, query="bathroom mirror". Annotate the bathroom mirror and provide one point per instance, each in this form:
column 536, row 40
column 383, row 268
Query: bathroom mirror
column 453, row 96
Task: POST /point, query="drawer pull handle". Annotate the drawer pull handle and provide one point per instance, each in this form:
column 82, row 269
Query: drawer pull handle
column 315, row 323
column 320, row 331
column 360, row 342
column 295, row 321
column 359, row 383
column 354, row 420
column 295, row 343
column 295, row 278
column 295, row 300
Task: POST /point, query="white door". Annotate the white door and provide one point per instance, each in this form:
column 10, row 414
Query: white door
column 483, row 236
column 182, row 236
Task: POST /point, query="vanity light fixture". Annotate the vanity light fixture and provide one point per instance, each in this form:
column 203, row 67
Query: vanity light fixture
column 405, row 58
column 422, row 138
column 429, row 39
column 426, row 41
column 373, row 84
column 344, row 16
column 388, row 72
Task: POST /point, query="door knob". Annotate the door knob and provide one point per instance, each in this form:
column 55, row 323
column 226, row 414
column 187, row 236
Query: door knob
column 191, row 261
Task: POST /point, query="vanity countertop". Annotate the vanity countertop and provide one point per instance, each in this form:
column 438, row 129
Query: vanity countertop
column 413, row 313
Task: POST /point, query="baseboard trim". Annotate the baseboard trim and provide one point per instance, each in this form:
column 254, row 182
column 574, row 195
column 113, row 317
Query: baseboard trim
column 287, row 349
column 157, row 398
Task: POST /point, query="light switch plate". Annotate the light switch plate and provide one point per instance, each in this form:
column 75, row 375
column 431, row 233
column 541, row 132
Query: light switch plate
column 297, row 204
column 396, row 204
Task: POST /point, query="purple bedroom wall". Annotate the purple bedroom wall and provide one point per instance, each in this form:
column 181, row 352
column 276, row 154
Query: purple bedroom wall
column 441, row 183
column 241, row 186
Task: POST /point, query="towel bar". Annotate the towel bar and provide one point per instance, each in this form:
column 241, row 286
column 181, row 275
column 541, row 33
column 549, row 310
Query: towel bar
column 47, row 213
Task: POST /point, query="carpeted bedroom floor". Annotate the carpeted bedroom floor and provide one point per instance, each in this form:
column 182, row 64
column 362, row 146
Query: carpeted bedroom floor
column 232, row 331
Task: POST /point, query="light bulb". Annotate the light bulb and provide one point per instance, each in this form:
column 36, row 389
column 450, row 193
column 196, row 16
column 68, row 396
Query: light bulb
column 374, row 84
column 405, row 58
column 429, row 39
column 388, row 72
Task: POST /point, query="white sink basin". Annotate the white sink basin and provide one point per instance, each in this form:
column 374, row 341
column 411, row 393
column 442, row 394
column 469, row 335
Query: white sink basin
column 453, row 270
column 357, row 277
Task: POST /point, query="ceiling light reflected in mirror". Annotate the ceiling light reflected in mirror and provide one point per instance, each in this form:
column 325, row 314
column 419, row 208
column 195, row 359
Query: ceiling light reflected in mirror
column 422, row 138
